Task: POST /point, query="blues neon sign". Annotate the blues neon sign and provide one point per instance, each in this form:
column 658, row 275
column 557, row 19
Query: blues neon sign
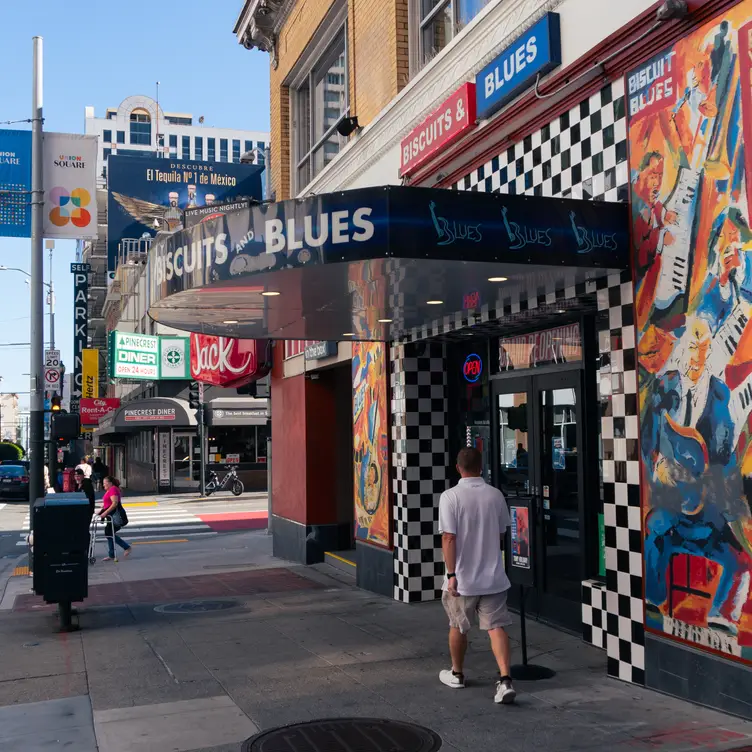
column 535, row 53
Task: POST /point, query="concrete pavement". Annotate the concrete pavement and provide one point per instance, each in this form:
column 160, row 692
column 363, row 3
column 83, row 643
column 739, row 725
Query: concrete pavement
column 163, row 671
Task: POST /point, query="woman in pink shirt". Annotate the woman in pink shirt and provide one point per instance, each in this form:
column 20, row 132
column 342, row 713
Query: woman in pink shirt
column 110, row 503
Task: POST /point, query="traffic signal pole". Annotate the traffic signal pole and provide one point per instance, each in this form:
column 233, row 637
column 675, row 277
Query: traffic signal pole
column 36, row 386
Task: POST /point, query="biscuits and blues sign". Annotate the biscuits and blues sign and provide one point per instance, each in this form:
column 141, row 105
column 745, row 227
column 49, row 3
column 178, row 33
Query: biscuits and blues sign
column 534, row 54
column 394, row 221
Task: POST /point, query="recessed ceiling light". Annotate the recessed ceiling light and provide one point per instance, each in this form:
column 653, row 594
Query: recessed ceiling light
column 498, row 279
column 348, row 334
column 385, row 321
column 230, row 321
column 434, row 302
column 560, row 310
column 270, row 293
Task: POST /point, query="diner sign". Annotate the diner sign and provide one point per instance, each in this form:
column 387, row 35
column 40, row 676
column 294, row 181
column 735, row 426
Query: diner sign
column 550, row 346
column 443, row 126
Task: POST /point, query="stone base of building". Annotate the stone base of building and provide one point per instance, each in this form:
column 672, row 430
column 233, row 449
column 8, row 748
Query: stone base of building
column 375, row 569
column 697, row 676
column 307, row 544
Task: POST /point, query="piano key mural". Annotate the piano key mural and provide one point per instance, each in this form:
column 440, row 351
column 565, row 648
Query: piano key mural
column 690, row 115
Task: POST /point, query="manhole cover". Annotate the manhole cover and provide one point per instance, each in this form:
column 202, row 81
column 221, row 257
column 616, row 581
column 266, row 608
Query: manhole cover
column 194, row 607
column 346, row 735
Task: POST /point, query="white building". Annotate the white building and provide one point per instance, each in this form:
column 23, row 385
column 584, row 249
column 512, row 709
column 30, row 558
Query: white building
column 140, row 127
column 10, row 424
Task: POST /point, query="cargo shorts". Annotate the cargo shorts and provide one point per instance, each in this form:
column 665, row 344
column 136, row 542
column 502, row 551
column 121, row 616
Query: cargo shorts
column 491, row 611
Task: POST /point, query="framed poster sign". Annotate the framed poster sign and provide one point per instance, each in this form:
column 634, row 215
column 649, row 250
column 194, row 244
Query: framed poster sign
column 521, row 542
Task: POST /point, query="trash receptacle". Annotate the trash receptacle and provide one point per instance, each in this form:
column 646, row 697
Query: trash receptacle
column 61, row 548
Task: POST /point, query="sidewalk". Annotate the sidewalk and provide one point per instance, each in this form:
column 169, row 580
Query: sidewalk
column 163, row 670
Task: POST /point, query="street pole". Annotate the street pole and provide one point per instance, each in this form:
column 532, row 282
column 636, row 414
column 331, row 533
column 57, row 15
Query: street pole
column 36, row 387
column 201, row 440
column 51, row 446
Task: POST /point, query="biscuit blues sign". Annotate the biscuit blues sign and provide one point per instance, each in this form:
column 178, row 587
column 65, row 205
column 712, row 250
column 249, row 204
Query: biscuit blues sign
column 535, row 53
column 445, row 125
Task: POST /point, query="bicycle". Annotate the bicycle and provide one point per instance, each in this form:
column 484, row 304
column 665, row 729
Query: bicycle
column 231, row 480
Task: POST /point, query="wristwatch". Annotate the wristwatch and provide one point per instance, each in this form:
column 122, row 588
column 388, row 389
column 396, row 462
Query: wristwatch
column 450, row 575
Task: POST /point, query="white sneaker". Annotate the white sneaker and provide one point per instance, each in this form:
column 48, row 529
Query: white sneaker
column 505, row 692
column 452, row 680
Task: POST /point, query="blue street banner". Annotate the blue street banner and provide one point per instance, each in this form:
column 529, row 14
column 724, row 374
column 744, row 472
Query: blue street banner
column 15, row 183
column 533, row 54
column 150, row 195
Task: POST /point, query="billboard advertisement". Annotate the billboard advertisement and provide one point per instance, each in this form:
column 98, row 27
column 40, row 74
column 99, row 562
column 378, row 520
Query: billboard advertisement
column 146, row 195
column 80, row 274
column 690, row 108
column 226, row 362
column 15, row 183
column 94, row 409
column 371, row 443
column 90, row 371
column 70, row 186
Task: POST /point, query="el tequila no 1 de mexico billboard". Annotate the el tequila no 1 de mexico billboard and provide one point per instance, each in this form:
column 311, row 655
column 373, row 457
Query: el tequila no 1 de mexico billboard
column 145, row 195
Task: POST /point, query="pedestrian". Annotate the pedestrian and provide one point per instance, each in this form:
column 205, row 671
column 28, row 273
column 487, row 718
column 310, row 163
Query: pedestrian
column 98, row 472
column 112, row 507
column 85, row 486
column 473, row 518
column 85, row 466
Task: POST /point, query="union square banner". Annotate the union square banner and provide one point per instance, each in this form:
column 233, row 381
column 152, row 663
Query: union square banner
column 690, row 115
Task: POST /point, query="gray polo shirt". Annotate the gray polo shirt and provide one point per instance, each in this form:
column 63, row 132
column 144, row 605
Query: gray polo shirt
column 478, row 515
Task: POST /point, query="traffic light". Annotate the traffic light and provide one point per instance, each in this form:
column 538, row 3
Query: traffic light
column 55, row 405
column 194, row 400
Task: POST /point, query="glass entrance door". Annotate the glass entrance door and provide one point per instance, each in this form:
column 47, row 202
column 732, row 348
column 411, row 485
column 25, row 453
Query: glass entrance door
column 539, row 450
column 185, row 460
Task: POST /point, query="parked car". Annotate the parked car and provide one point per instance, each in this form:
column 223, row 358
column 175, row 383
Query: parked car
column 14, row 482
column 22, row 463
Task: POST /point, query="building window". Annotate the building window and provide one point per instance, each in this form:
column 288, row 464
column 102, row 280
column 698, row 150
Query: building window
column 235, row 150
column 140, row 127
column 107, row 137
column 248, row 146
column 121, row 137
column 106, row 153
column 211, row 149
column 186, row 148
column 248, row 442
column 173, row 142
column 441, row 20
column 319, row 103
column 198, row 147
column 223, row 154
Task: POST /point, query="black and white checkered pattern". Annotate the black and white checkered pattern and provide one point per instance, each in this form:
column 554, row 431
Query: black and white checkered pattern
column 594, row 613
column 582, row 154
column 419, row 467
column 625, row 638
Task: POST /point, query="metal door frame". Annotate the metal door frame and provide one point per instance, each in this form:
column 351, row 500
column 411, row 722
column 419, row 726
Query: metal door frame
column 548, row 607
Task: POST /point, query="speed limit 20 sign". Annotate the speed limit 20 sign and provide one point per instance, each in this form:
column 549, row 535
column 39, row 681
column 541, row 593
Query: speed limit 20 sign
column 52, row 358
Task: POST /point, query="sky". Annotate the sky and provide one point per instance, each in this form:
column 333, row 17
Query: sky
column 98, row 53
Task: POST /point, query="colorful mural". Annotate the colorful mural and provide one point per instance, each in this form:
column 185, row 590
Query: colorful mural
column 688, row 108
column 371, row 443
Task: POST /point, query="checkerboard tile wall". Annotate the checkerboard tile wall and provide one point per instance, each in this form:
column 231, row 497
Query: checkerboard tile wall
column 582, row 154
column 594, row 613
column 419, row 467
column 625, row 633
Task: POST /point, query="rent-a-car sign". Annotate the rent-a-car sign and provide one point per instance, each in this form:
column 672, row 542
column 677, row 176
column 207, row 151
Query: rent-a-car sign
column 94, row 409
column 446, row 124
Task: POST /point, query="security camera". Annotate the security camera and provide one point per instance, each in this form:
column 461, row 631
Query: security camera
column 672, row 9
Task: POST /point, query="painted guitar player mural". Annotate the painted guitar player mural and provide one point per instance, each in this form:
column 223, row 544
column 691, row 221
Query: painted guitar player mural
column 689, row 109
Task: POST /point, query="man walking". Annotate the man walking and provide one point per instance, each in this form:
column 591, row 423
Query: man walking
column 86, row 487
column 473, row 518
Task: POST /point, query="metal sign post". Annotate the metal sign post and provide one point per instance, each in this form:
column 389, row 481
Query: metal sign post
column 36, row 387
column 201, row 439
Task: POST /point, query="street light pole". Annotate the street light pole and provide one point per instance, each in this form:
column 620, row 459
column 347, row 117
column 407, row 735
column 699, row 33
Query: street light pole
column 51, row 293
column 36, row 387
